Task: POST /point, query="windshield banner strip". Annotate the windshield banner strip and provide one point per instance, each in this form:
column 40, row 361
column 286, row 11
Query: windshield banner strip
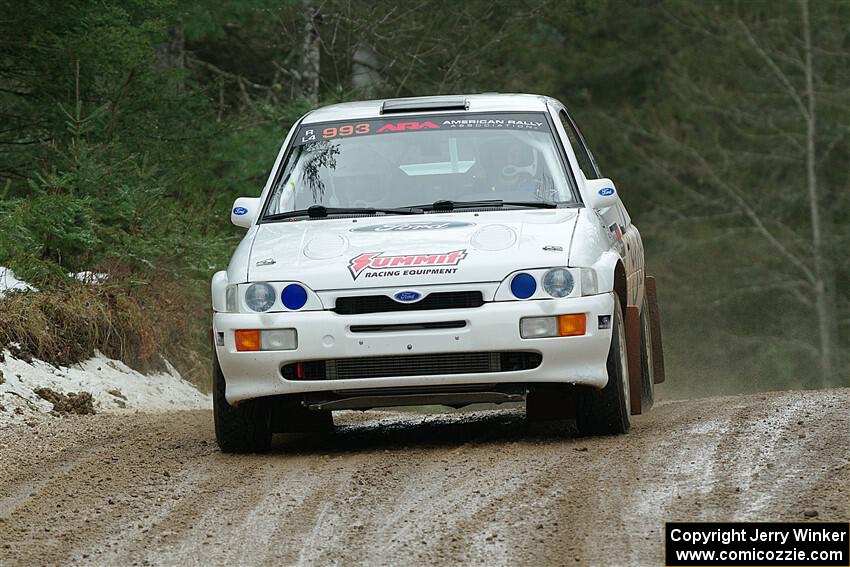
column 493, row 121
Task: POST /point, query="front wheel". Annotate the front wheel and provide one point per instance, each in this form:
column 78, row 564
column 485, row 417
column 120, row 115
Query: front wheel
column 607, row 411
column 242, row 428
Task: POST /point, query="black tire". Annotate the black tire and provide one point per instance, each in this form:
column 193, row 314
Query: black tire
column 607, row 411
column 243, row 428
column 647, row 378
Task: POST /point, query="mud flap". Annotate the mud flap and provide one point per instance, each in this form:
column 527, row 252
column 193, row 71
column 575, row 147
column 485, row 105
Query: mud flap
column 655, row 329
column 633, row 356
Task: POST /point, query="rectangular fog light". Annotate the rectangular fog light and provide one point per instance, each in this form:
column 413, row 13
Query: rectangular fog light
column 538, row 327
column 278, row 339
column 572, row 325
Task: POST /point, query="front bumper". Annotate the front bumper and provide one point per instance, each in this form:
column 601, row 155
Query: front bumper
column 491, row 327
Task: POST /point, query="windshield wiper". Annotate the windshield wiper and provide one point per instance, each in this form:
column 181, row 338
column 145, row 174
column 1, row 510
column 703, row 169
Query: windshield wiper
column 444, row 205
column 320, row 212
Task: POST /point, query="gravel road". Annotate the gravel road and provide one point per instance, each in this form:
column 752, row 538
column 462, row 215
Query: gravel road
column 481, row 488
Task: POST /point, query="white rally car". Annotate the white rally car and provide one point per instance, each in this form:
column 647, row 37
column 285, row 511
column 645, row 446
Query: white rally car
column 436, row 250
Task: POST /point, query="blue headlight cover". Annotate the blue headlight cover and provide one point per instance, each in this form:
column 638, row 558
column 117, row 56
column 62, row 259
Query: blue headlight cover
column 294, row 296
column 523, row 285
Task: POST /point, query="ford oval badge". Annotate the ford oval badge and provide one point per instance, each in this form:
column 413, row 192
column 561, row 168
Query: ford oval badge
column 239, row 211
column 606, row 191
column 407, row 296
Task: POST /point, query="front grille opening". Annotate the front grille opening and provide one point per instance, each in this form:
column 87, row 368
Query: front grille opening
column 310, row 370
column 408, row 327
column 514, row 361
column 357, row 305
column 411, row 365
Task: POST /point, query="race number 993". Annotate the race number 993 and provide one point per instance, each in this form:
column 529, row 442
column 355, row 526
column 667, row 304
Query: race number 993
column 346, row 130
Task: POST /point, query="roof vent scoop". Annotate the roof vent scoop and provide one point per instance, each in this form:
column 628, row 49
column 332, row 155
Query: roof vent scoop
column 424, row 103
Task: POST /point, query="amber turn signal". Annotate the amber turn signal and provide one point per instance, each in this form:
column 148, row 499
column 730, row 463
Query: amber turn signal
column 572, row 325
column 247, row 340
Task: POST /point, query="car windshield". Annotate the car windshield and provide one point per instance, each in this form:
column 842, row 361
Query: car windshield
column 402, row 162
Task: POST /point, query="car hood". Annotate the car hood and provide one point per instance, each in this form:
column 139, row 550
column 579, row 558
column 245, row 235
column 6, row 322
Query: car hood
column 410, row 250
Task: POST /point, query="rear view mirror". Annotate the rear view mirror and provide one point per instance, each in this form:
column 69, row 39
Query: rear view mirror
column 244, row 211
column 601, row 193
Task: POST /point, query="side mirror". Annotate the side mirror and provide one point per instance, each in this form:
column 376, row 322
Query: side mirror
column 244, row 211
column 601, row 193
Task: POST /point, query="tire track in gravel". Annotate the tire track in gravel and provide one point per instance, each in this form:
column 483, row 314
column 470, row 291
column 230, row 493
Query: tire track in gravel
column 481, row 488
column 97, row 491
column 411, row 507
column 51, row 470
column 192, row 490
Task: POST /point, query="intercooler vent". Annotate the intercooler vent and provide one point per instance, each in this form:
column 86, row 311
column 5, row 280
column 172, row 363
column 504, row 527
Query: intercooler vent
column 395, row 328
column 411, row 365
column 357, row 305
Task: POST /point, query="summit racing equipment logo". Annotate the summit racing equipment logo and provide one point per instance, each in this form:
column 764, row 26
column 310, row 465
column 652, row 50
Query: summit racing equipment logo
column 404, row 265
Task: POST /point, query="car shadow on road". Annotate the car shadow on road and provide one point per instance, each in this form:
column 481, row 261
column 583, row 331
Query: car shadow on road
column 402, row 431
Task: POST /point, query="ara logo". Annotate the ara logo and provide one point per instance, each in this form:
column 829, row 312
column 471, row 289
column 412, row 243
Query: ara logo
column 407, row 296
column 401, row 126
column 606, row 191
column 391, row 265
column 239, row 211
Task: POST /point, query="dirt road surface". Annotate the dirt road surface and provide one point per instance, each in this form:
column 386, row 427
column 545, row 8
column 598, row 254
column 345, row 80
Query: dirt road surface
column 480, row 488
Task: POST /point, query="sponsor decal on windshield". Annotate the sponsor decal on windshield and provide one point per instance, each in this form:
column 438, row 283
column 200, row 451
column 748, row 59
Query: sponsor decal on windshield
column 411, row 226
column 494, row 123
column 401, row 126
column 381, row 126
column 375, row 264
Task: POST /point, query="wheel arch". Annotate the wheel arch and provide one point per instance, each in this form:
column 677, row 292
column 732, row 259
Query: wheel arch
column 611, row 275
column 620, row 284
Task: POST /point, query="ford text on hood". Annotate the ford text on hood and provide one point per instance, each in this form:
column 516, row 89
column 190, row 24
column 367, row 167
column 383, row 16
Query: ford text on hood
column 442, row 250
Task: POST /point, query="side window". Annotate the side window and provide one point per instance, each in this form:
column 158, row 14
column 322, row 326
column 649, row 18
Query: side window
column 585, row 160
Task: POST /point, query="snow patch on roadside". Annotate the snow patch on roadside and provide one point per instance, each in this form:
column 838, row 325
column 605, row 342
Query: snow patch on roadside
column 114, row 385
column 9, row 282
column 93, row 278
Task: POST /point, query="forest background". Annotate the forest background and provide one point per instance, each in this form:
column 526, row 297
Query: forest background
column 129, row 127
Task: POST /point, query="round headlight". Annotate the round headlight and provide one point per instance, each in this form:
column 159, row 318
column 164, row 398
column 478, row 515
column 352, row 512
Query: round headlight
column 260, row 296
column 523, row 285
column 558, row 282
column 294, row 296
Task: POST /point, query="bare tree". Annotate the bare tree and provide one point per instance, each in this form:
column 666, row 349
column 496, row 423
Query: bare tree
column 754, row 147
column 364, row 69
column 824, row 280
column 310, row 57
